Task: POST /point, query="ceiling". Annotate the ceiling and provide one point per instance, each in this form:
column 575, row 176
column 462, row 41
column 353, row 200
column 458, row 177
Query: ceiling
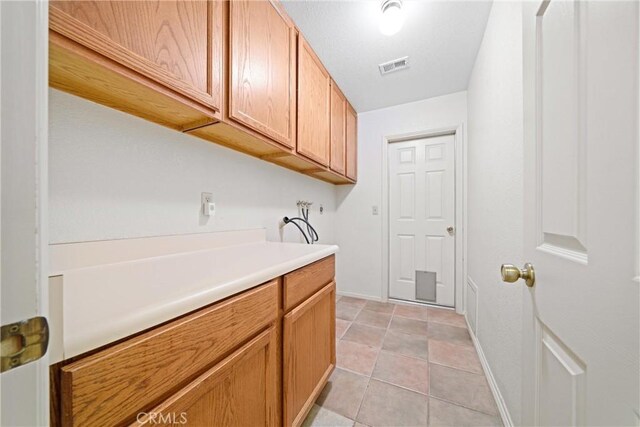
column 441, row 39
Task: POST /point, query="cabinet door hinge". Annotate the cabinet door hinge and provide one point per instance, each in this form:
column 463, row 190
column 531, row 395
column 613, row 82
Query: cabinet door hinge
column 23, row 342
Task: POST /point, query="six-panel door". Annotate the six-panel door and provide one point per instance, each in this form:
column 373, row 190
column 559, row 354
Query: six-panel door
column 262, row 83
column 308, row 351
column 314, row 96
column 177, row 43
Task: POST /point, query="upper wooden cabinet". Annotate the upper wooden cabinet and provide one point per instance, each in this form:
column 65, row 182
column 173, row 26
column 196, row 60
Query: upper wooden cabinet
column 262, row 76
column 314, row 97
column 159, row 60
column 338, row 129
column 352, row 143
column 237, row 73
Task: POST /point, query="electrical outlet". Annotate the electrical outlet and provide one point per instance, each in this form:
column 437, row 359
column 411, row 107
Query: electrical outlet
column 208, row 207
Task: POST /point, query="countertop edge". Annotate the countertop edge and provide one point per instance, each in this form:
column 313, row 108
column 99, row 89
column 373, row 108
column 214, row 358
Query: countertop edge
column 142, row 320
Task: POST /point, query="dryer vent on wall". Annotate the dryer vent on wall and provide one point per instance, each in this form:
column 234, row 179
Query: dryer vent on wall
column 395, row 65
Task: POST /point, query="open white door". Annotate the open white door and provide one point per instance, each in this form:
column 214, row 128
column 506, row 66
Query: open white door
column 23, row 191
column 581, row 327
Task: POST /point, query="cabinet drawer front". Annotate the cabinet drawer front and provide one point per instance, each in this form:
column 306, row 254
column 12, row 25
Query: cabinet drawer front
column 177, row 43
column 263, row 74
column 304, row 282
column 112, row 386
column 309, row 351
column 239, row 391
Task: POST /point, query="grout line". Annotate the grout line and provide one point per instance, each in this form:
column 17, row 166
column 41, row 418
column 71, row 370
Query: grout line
column 375, row 363
column 459, row 369
column 464, row 406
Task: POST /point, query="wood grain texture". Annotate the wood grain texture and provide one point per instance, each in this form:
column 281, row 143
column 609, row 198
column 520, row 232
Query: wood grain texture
column 262, row 76
column 352, row 143
column 338, row 129
column 314, row 96
column 306, row 281
column 177, row 43
column 309, row 353
column 233, row 136
column 111, row 386
column 239, row 391
column 82, row 72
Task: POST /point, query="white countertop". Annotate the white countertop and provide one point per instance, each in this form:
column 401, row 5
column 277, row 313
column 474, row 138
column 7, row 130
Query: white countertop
column 93, row 305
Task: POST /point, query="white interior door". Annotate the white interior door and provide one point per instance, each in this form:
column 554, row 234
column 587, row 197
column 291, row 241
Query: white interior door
column 23, row 191
column 581, row 321
column 421, row 208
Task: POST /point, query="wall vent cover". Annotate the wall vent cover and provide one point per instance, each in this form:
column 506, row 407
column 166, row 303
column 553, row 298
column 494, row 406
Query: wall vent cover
column 395, row 65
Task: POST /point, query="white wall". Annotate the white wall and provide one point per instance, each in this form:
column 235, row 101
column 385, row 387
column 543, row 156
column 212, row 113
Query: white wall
column 113, row 175
column 495, row 199
column 358, row 231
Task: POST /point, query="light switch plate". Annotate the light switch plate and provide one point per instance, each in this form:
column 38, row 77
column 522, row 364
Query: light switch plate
column 374, row 210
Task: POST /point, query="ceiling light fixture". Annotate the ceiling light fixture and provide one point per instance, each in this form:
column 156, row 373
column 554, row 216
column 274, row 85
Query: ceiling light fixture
column 392, row 17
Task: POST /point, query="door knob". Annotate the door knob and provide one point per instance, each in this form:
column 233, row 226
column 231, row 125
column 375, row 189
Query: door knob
column 511, row 273
column 450, row 230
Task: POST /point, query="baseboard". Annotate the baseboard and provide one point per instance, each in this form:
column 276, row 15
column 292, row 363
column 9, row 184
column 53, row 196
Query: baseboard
column 355, row 295
column 493, row 385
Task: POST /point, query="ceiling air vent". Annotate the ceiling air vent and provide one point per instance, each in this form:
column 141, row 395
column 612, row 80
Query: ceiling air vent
column 395, row 65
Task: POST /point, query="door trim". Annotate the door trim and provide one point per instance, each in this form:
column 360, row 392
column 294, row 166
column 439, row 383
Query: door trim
column 460, row 164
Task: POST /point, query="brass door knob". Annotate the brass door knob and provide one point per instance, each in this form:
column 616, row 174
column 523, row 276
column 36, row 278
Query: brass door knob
column 511, row 273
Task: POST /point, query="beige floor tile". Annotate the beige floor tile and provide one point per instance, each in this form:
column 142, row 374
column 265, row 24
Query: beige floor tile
column 405, row 344
column 343, row 393
column 380, row 307
column 411, row 311
column 448, row 333
column 356, row 357
column 322, row 417
column 373, row 318
column 341, row 327
column 364, row 334
column 456, row 356
column 460, row 387
column 358, row 302
column 346, row 311
column 449, row 317
column 449, row 415
column 404, row 371
column 338, row 298
column 408, row 326
column 388, row 405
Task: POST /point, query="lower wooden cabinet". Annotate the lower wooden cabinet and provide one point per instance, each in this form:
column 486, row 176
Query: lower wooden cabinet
column 258, row 358
column 309, row 352
column 239, row 391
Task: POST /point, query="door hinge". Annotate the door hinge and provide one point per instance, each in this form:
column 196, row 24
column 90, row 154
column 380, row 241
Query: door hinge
column 23, row 342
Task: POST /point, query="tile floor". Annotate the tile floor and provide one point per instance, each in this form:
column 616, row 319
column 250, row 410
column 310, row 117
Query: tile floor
column 403, row 365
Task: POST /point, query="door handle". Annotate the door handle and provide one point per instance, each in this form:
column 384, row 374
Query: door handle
column 450, row 230
column 510, row 274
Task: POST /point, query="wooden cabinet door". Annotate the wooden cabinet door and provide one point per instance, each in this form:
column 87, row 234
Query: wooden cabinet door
column 309, row 352
column 239, row 391
column 352, row 143
column 314, row 87
column 262, row 69
column 177, row 43
column 338, row 129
